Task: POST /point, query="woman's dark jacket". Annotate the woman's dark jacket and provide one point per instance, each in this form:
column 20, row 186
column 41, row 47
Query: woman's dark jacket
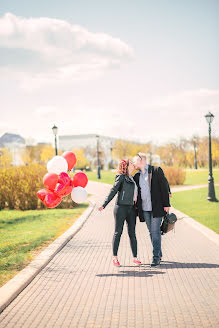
column 159, row 192
column 125, row 187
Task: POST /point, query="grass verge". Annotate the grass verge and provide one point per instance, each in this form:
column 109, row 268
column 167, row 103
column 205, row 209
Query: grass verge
column 194, row 203
column 193, row 177
column 24, row 234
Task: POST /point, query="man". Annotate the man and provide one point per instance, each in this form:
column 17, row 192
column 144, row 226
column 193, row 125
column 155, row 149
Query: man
column 153, row 200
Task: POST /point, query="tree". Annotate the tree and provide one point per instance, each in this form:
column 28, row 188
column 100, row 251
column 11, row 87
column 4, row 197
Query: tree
column 215, row 151
column 123, row 149
column 82, row 161
column 28, row 155
column 5, row 158
column 166, row 153
column 47, row 153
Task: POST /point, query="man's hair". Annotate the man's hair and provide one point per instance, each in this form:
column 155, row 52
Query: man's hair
column 142, row 155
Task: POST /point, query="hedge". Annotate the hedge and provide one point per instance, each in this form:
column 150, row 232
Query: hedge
column 174, row 175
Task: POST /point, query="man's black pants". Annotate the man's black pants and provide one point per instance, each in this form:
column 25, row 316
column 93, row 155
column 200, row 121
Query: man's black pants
column 124, row 213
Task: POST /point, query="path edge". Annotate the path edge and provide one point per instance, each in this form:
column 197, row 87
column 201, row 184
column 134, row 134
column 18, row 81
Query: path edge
column 207, row 232
column 18, row 283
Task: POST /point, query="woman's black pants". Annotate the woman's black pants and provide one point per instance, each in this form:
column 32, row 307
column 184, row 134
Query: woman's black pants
column 124, row 213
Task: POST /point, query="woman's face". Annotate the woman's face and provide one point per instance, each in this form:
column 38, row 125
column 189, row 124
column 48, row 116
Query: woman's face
column 131, row 166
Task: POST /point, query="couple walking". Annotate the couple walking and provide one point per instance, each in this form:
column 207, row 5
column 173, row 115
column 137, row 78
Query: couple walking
column 145, row 195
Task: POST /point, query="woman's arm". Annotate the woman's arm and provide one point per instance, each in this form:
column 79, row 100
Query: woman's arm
column 118, row 181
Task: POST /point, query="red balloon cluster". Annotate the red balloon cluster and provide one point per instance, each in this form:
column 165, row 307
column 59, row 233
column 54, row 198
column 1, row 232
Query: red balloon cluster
column 60, row 185
column 70, row 158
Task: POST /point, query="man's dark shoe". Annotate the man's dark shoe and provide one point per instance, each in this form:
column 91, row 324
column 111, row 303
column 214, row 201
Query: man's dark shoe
column 155, row 262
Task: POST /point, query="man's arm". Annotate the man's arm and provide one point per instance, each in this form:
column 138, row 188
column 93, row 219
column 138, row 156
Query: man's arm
column 118, row 181
column 169, row 191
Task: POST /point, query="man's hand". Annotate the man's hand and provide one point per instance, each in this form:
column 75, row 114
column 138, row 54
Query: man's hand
column 100, row 208
column 166, row 209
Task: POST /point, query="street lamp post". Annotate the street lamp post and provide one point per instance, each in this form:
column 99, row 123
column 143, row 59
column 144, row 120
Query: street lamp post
column 55, row 131
column 111, row 154
column 195, row 150
column 98, row 159
column 211, row 191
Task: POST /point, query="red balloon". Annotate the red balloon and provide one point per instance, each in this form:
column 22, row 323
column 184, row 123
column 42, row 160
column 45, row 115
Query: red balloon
column 64, row 186
column 52, row 200
column 71, row 183
column 64, row 178
column 42, row 194
column 50, row 180
column 71, row 159
column 80, row 180
column 49, row 198
column 63, row 190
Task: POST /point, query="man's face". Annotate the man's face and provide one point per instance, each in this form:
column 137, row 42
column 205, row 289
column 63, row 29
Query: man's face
column 137, row 162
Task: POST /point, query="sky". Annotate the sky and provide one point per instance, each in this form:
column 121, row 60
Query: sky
column 140, row 70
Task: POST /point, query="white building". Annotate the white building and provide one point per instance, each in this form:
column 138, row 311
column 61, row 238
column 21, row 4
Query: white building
column 89, row 141
column 16, row 149
column 70, row 142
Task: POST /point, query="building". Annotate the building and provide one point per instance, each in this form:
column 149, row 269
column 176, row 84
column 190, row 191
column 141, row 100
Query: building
column 89, row 141
column 15, row 144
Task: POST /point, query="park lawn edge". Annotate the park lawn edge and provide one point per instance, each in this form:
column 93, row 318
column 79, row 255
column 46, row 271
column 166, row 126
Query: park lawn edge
column 31, row 255
column 184, row 201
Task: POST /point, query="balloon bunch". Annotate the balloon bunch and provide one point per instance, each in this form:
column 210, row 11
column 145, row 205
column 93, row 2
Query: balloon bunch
column 59, row 184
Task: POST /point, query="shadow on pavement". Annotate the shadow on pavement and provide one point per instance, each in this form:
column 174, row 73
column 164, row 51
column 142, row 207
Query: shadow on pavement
column 124, row 273
column 185, row 265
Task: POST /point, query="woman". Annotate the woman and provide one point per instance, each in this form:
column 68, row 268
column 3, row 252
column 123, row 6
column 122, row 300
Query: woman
column 124, row 208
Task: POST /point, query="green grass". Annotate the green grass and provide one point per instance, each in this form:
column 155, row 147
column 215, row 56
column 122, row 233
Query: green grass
column 193, row 177
column 24, row 234
column 106, row 176
column 200, row 176
column 194, row 204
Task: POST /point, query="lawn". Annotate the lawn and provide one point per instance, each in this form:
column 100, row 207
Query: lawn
column 24, row 234
column 106, row 176
column 194, row 204
column 194, row 177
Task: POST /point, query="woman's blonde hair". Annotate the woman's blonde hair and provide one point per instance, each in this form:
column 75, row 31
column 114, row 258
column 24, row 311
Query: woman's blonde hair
column 123, row 166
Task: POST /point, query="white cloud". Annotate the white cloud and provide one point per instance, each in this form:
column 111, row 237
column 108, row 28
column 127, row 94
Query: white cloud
column 45, row 111
column 181, row 114
column 46, row 49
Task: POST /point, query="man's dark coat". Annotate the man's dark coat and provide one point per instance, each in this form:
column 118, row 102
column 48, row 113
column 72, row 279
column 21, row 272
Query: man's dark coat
column 159, row 192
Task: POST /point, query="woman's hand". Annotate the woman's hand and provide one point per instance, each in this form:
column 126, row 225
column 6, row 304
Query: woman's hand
column 100, row 208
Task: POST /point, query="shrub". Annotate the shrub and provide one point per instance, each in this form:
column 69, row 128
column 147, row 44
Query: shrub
column 8, row 183
column 19, row 185
column 30, row 181
column 174, row 175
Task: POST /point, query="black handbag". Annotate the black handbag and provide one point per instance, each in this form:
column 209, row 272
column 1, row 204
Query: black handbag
column 168, row 223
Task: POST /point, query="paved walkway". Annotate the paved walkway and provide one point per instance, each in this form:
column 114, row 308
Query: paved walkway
column 80, row 288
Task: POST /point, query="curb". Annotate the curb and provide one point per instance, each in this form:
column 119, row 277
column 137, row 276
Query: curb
column 14, row 286
column 210, row 234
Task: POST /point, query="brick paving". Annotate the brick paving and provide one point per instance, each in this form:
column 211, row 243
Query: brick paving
column 80, row 288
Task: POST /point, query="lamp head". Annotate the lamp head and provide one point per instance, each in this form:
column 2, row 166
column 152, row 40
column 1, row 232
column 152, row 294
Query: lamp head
column 209, row 117
column 55, row 130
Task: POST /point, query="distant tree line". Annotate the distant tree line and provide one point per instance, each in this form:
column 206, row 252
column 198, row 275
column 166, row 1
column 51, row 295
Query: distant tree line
column 178, row 154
